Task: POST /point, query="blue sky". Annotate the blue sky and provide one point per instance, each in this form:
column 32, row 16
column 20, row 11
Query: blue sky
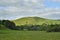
column 13, row 9
column 52, row 4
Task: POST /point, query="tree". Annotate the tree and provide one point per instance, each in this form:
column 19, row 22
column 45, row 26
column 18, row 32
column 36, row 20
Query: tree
column 53, row 28
column 9, row 24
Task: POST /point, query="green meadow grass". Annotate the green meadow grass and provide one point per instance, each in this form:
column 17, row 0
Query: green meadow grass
column 28, row 35
column 34, row 20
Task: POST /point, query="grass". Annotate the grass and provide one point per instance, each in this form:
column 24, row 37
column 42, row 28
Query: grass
column 28, row 35
column 34, row 20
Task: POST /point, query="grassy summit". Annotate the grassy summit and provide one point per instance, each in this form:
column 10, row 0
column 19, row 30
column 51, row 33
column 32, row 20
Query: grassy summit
column 34, row 20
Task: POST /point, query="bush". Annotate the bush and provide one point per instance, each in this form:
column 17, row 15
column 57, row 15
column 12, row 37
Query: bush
column 20, row 27
column 53, row 28
column 8, row 24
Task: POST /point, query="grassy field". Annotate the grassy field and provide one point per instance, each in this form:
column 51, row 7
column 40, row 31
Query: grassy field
column 34, row 20
column 28, row 35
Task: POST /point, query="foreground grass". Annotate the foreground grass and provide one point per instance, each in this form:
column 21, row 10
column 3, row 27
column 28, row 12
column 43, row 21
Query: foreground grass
column 28, row 35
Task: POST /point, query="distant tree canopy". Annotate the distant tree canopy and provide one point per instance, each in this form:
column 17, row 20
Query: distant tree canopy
column 7, row 24
column 53, row 28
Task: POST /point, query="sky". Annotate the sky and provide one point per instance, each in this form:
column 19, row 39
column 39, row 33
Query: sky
column 13, row 9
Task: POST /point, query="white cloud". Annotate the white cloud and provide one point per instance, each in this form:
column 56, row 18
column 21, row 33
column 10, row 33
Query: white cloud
column 11, row 9
column 34, row 1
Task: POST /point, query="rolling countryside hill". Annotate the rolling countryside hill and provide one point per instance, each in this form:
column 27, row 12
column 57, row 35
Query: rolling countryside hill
column 34, row 20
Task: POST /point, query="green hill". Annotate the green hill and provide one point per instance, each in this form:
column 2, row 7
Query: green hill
column 34, row 20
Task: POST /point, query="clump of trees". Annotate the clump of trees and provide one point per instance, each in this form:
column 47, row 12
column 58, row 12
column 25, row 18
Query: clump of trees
column 7, row 24
column 44, row 27
column 53, row 28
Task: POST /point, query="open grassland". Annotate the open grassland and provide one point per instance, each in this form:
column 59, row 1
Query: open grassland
column 34, row 20
column 28, row 35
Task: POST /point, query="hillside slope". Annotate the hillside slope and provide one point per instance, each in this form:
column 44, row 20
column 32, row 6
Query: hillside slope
column 34, row 20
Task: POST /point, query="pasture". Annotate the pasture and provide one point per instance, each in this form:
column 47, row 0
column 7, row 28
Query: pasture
column 28, row 35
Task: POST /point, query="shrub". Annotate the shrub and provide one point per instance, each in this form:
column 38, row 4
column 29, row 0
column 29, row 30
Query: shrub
column 53, row 28
column 8, row 24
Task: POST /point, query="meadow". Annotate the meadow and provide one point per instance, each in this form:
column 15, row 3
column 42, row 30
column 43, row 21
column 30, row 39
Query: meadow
column 28, row 35
column 15, row 29
column 34, row 20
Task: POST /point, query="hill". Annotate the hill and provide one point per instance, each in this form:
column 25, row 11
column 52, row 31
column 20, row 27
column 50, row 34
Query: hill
column 34, row 20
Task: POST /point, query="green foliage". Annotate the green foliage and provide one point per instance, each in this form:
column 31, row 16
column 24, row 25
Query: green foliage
column 33, row 27
column 53, row 28
column 43, row 27
column 7, row 24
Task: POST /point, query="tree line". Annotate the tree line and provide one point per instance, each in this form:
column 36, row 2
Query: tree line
column 44, row 27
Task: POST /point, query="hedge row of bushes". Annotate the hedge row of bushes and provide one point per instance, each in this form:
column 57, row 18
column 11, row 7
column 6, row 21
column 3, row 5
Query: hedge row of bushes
column 44, row 27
